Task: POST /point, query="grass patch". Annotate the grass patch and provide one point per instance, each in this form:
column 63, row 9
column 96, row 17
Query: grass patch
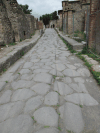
column 6, row 81
column 4, row 70
column 54, row 76
column 33, row 117
column 12, row 43
column 81, row 106
column 46, row 126
column 59, row 128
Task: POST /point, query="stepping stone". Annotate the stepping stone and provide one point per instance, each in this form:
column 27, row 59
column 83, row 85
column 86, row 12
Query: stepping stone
column 43, row 77
column 28, row 65
column 79, row 88
column 81, row 99
column 67, row 80
column 62, row 88
column 60, row 67
column 79, row 79
column 72, row 117
column 51, row 98
column 2, row 85
column 5, row 98
column 48, row 130
column 22, row 84
column 46, row 116
column 41, row 88
column 25, row 71
column 33, row 104
column 19, row 124
column 10, row 110
column 70, row 73
column 84, row 72
column 22, row 94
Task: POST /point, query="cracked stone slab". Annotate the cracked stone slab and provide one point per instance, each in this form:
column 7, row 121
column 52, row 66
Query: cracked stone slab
column 48, row 130
column 67, row 80
column 71, row 66
column 79, row 88
column 53, row 72
column 33, row 104
column 46, row 116
column 60, row 67
column 62, row 88
column 27, row 77
column 43, row 77
column 41, row 88
column 51, row 98
column 72, row 117
column 79, row 79
column 70, row 73
column 84, row 72
column 25, row 71
column 5, row 98
column 40, row 71
column 19, row 124
column 2, row 85
column 10, row 110
column 21, row 84
column 81, row 99
column 28, row 65
column 22, row 94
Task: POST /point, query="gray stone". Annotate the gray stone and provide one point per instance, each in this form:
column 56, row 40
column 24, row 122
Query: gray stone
column 46, row 116
column 22, row 94
column 72, row 117
column 79, row 79
column 14, row 68
column 35, row 60
column 60, row 67
column 25, row 71
column 79, row 88
column 59, row 74
column 48, row 130
column 70, row 66
column 62, row 88
column 53, row 72
column 2, row 85
column 93, row 62
column 33, row 104
column 67, row 80
column 70, row 73
column 51, row 98
column 10, row 110
column 81, row 99
column 27, row 77
column 41, row 88
column 47, row 67
column 96, row 68
column 19, row 124
column 84, row 72
column 28, row 65
column 21, row 84
column 40, row 71
column 43, row 77
column 5, row 98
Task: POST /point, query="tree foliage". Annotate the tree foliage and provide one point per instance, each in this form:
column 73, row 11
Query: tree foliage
column 25, row 9
column 47, row 17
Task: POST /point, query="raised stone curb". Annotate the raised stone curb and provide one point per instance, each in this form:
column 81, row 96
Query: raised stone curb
column 74, row 44
column 13, row 56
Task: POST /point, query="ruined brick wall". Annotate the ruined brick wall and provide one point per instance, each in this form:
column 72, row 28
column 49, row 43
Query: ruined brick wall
column 94, row 25
column 6, row 31
column 40, row 24
column 53, row 22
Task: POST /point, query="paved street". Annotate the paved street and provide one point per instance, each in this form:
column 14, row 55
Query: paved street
column 49, row 90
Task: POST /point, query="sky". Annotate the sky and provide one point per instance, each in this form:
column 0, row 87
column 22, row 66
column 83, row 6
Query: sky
column 41, row 7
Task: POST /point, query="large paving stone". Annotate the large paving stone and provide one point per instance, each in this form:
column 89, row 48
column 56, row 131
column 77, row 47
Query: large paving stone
column 27, row 77
column 51, row 98
column 10, row 110
column 96, row 68
column 72, row 117
column 60, row 67
column 41, row 88
column 28, row 65
column 62, row 88
column 40, row 71
column 70, row 73
column 2, row 85
column 84, row 72
column 48, row 130
column 19, row 124
column 79, row 88
column 43, row 77
column 21, row 84
column 67, row 80
column 79, row 79
column 33, row 104
column 53, row 72
column 46, row 116
column 81, row 99
column 5, row 98
column 25, row 71
column 70, row 66
column 22, row 94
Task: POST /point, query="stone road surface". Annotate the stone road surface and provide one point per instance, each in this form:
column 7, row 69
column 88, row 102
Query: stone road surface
column 49, row 90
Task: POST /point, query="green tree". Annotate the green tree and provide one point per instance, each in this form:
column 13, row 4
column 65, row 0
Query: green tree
column 25, row 9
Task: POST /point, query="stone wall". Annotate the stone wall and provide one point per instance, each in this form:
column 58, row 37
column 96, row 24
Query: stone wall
column 18, row 25
column 53, row 23
column 40, row 24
